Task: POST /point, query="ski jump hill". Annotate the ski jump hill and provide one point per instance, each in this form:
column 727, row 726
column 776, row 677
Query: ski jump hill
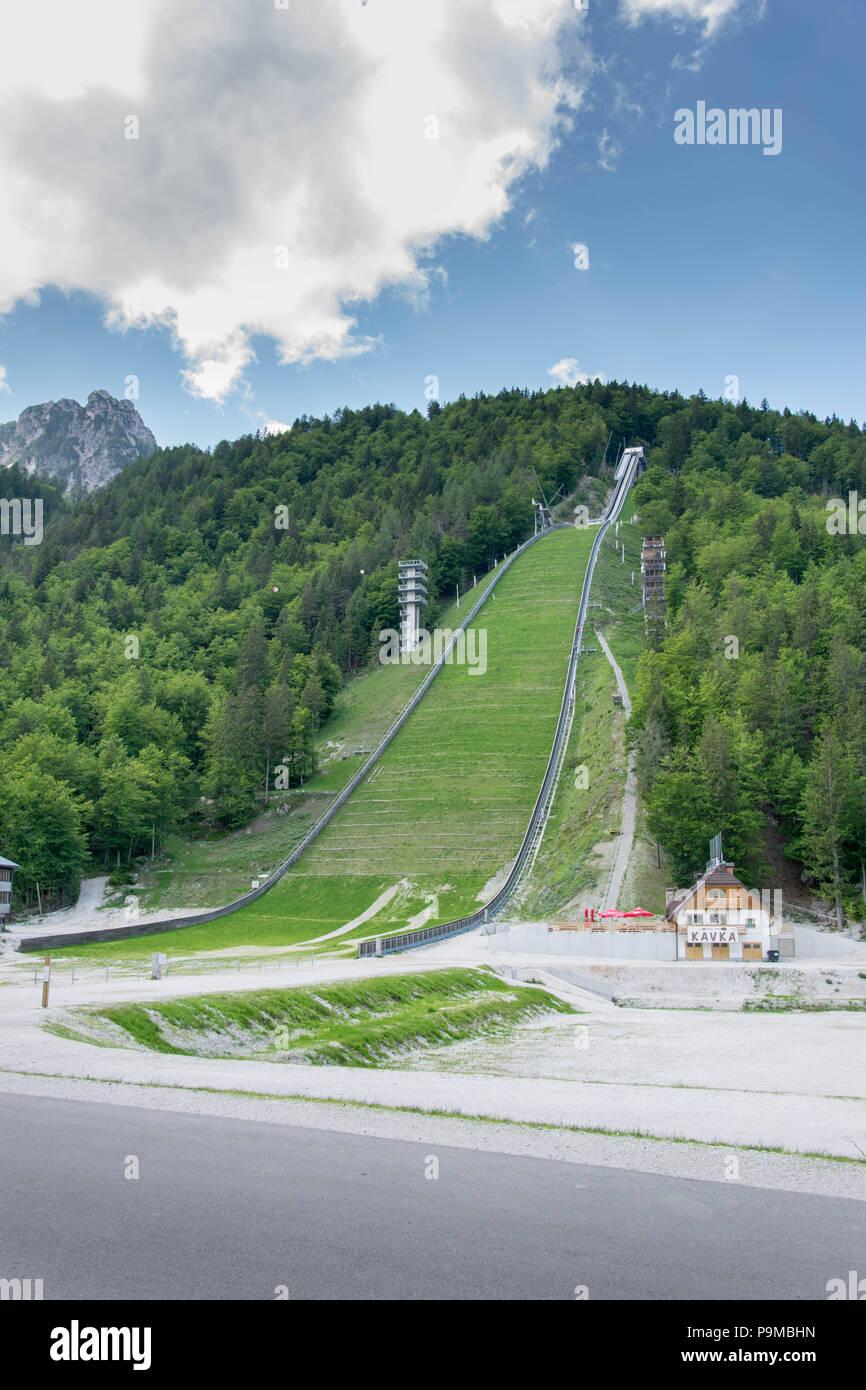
column 449, row 809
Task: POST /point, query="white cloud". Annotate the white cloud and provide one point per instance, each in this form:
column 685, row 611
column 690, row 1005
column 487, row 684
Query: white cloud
column 609, row 150
column 688, row 62
column 625, row 99
column 269, row 426
column 4, row 384
column 535, row 223
column 710, row 14
column 64, row 49
column 259, row 129
column 566, row 372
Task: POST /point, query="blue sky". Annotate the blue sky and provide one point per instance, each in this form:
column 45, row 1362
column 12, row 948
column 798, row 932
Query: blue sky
column 705, row 262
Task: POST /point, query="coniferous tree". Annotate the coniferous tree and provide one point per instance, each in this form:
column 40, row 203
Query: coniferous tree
column 824, row 809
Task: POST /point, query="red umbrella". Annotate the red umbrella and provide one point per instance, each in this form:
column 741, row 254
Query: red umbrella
column 610, row 912
column 638, row 912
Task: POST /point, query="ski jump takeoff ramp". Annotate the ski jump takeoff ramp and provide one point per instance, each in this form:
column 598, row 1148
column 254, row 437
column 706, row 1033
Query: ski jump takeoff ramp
column 629, row 465
column 375, row 841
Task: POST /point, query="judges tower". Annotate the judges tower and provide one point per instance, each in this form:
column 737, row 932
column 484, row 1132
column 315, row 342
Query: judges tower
column 412, row 593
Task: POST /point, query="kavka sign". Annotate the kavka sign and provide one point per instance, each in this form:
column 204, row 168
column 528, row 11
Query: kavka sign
column 717, row 936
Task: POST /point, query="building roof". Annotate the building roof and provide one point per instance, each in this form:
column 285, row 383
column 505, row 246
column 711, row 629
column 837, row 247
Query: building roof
column 722, row 876
column 719, row 875
column 7, row 863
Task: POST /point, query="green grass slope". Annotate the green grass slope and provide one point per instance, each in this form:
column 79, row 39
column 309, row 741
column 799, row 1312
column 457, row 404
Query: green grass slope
column 194, row 873
column 363, row 1023
column 446, row 808
column 572, row 866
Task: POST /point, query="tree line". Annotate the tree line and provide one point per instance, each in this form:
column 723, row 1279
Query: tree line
column 170, row 650
column 750, row 711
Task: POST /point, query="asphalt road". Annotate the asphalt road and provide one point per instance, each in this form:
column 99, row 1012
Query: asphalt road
column 225, row 1209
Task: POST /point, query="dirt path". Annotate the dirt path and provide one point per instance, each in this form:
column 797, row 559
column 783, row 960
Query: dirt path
column 382, row 901
column 83, row 914
column 626, row 834
column 88, row 914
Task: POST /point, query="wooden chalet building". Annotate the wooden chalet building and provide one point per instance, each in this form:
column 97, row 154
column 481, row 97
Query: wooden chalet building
column 718, row 918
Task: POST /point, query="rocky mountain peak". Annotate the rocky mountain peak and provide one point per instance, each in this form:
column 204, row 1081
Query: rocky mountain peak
column 80, row 446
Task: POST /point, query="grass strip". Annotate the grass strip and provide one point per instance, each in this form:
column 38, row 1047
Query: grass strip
column 353, row 1023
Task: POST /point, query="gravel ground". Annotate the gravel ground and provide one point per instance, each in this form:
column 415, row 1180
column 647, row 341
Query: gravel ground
column 709, row 1163
column 796, row 1082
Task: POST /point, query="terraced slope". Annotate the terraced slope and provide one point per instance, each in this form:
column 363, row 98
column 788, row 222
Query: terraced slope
column 445, row 810
column 447, row 807
column 454, row 793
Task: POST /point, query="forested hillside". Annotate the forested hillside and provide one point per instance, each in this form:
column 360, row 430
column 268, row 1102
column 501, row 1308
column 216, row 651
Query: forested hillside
column 754, row 701
column 183, row 631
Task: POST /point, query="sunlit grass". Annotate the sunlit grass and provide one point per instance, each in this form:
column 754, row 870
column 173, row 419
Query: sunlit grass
column 361, row 1023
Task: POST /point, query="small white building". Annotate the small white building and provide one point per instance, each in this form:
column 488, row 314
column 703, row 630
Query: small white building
column 718, row 918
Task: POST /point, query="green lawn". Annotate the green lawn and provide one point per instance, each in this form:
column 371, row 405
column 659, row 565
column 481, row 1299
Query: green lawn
column 581, row 816
column 369, row 705
column 194, row 874
column 645, row 880
column 449, row 803
column 447, row 807
column 584, row 817
column 207, row 872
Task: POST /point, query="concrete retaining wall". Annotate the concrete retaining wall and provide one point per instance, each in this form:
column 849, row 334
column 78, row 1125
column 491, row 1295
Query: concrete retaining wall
column 626, row 945
column 811, row 942
column 589, row 983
